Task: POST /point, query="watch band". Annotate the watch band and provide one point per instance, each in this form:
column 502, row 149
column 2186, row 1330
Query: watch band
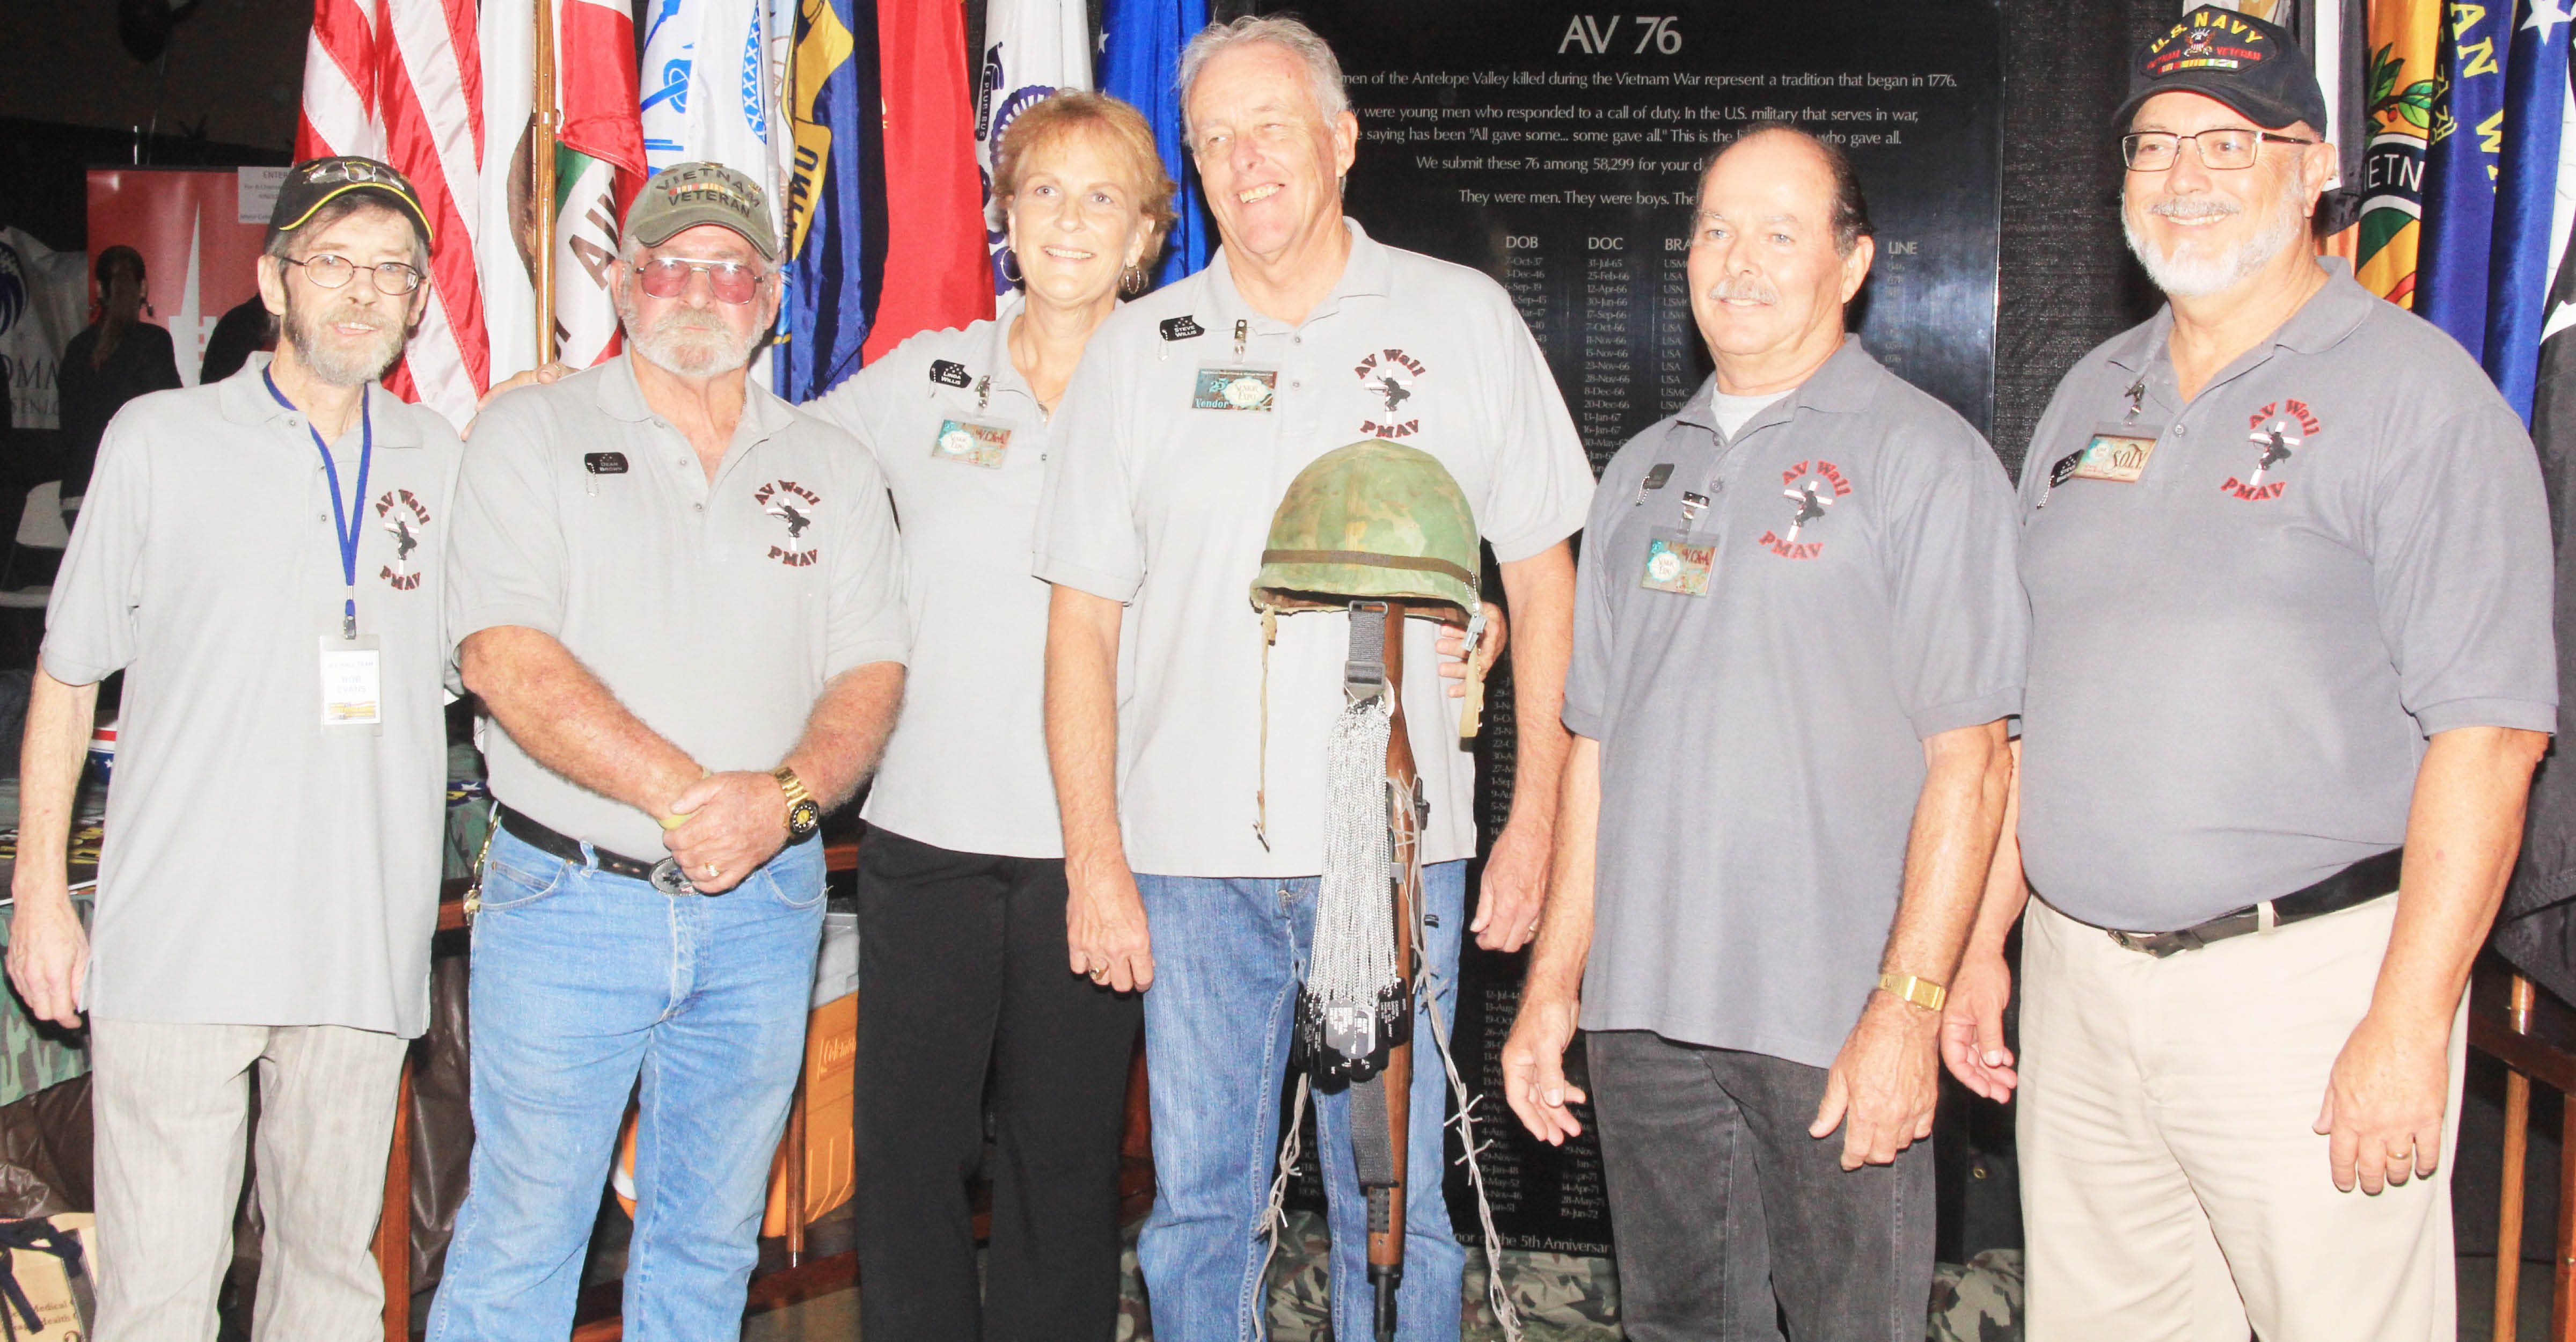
column 797, row 793
column 1914, row 989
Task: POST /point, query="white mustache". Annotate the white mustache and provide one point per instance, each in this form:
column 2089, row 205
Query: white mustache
column 1746, row 289
column 2193, row 207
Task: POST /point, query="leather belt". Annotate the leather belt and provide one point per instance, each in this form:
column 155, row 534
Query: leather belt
column 2357, row 884
column 568, row 848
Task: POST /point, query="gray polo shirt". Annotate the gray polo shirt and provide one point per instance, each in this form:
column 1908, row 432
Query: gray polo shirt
column 1762, row 744
column 966, row 769
column 1158, row 503
column 714, row 612
column 2339, row 547
column 260, row 869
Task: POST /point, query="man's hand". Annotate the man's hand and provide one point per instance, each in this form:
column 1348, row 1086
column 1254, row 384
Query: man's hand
column 1105, row 932
column 49, row 957
column 1972, row 1026
column 1885, row 1082
column 1453, row 648
column 1534, row 1069
column 2384, row 1104
column 736, row 822
column 1514, row 888
column 534, row 377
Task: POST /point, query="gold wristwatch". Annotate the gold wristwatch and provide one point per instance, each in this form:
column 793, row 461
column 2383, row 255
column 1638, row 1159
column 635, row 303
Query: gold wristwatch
column 1915, row 990
column 804, row 814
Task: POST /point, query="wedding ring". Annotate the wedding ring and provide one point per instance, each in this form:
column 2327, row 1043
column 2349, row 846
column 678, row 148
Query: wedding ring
column 714, row 872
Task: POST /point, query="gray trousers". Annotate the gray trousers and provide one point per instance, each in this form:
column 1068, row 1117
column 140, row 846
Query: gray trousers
column 171, row 1106
column 1731, row 1220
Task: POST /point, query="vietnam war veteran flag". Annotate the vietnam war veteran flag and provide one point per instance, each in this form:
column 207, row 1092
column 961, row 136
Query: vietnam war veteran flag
column 2460, row 171
column 2404, row 40
column 1031, row 49
column 2528, row 227
column 599, row 166
column 836, row 217
column 1140, row 60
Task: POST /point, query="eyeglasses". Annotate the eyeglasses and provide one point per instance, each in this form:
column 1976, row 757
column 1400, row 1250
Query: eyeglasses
column 668, row 277
column 2225, row 149
column 392, row 278
column 331, row 172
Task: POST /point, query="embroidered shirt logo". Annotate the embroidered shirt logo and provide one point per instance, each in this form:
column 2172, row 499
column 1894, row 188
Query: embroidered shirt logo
column 1389, row 375
column 2279, row 432
column 406, row 519
column 795, row 505
column 1811, row 488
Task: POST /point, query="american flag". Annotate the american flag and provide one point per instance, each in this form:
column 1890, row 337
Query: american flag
column 401, row 81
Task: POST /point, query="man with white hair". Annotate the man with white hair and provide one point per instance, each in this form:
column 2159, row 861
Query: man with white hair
column 678, row 598
column 260, row 557
column 2289, row 569
column 1192, row 410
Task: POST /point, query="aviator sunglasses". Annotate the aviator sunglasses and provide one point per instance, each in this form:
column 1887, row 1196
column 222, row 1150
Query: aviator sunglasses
column 668, row 277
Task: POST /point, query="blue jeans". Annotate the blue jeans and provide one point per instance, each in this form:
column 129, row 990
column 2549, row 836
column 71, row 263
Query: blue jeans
column 1227, row 954
column 581, row 982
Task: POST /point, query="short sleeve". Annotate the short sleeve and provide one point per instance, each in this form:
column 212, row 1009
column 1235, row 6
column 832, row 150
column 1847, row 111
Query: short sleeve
column 1541, row 483
column 859, row 405
column 1961, row 622
column 2461, row 570
column 1587, row 673
column 92, row 618
column 1087, row 533
column 507, row 561
column 865, row 622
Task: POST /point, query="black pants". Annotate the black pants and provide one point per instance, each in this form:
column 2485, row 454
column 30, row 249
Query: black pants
column 962, row 974
column 1731, row 1219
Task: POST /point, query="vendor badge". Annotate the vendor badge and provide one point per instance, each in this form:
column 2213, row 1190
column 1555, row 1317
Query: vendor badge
column 972, row 443
column 1235, row 389
column 1675, row 564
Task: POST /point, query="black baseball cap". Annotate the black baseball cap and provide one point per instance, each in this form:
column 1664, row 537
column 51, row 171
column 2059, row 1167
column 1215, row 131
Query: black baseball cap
column 316, row 182
column 2247, row 63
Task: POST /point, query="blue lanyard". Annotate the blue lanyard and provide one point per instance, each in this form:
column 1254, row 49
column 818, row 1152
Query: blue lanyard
column 344, row 525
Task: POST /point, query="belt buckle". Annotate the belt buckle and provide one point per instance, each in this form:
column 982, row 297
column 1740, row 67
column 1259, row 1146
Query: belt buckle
column 668, row 878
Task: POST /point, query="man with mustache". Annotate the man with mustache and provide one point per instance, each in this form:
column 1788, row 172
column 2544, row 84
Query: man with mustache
column 1191, row 867
column 2289, row 570
column 678, row 599
column 1767, row 863
column 268, row 881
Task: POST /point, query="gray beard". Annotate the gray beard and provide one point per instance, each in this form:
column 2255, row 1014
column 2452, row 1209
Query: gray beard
column 332, row 363
column 679, row 346
column 2200, row 277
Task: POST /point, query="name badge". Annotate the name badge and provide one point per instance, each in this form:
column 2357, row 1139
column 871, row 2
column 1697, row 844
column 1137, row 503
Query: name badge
column 1674, row 563
column 1235, row 389
column 351, row 689
column 604, row 463
column 975, row 444
column 2118, row 455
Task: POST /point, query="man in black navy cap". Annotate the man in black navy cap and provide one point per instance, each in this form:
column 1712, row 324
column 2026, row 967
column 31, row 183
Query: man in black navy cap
column 261, row 557
column 2288, row 562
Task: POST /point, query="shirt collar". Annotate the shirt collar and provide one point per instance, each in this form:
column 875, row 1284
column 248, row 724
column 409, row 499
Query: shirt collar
column 243, row 399
column 2330, row 314
column 1846, row 383
column 1366, row 272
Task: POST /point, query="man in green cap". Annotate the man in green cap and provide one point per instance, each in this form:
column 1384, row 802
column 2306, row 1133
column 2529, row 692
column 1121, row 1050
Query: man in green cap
column 678, row 598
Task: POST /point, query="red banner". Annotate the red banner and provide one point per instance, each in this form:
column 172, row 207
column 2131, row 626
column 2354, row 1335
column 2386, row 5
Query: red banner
column 199, row 258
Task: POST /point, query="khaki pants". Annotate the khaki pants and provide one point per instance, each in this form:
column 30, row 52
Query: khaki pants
column 2173, row 1186
column 171, row 1104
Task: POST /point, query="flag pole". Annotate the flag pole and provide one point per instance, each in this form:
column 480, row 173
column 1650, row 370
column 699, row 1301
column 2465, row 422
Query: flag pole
column 542, row 152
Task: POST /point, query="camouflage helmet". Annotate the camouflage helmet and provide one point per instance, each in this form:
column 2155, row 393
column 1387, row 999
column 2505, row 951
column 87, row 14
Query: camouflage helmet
column 1372, row 521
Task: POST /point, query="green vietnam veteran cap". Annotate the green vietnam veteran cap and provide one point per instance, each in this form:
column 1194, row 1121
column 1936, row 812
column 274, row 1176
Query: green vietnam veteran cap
column 317, row 182
column 685, row 195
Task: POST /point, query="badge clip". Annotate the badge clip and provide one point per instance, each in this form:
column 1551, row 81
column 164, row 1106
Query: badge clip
column 1242, row 334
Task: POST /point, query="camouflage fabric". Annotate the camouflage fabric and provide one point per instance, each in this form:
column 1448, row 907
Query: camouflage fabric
column 1371, row 520
column 1979, row 1301
column 32, row 1058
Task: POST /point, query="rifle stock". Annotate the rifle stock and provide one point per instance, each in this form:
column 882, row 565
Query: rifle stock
column 1386, row 1206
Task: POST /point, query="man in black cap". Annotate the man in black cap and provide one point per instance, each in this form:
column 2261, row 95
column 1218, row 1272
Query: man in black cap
column 2289, row 570
column 261, row 556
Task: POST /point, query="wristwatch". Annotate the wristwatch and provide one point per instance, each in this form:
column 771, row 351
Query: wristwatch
column 1920, row 992
column 804, row 814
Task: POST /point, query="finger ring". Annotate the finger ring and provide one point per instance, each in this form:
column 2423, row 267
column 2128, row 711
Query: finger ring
column 714, row 872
